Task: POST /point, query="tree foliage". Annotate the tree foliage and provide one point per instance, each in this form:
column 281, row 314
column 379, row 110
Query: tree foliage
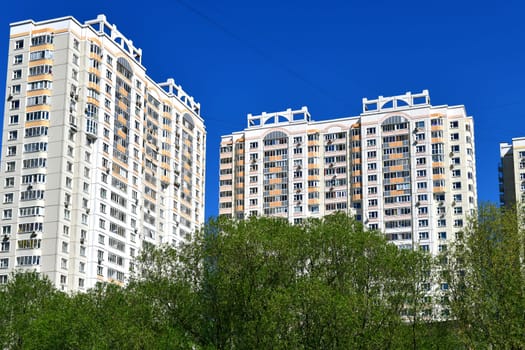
column 485, row 272
column 265, row 284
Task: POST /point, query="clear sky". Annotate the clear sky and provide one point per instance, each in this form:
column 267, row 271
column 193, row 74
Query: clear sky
column 239, row 57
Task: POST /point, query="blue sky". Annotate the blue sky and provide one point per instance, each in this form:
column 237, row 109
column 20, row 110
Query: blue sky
column 240, row 57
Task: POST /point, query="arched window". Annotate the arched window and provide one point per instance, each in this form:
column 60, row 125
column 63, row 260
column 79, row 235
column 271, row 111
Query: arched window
column 395, row 122
column 187, row 121
column 276, row 138
column 124, row 68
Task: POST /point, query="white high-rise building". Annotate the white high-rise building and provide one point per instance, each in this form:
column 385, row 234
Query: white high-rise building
column 403, row 166
column 512, row 172
column 98, row 160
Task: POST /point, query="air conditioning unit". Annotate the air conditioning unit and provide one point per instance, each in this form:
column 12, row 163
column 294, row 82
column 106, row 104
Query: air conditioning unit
column 82, row 241
column 88, row 210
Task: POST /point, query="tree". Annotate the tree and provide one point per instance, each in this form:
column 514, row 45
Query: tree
column 263, row 283
column 485, row 274
column 26, row 301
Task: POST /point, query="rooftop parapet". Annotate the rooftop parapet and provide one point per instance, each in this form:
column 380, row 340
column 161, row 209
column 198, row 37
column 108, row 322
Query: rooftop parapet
column 390, row 103
column 111, row 30
column 285, row 117
column 173, row 89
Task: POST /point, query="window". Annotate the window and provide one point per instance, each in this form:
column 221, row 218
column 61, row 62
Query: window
column 7, row 214
column 370, row 131
column 9, row 182
column 458, row 223
column 38, row 100
column 454, row 124
column 17, row 74
column 5, row 246
column 8, row 198
column 10, row 166
column 42, row 39
column 13, row 119
column 39, row 55
column 11, row 151
column 4, row 263
column 15, row 104
column 18, row 59
column 13, row 135
column 19, row 44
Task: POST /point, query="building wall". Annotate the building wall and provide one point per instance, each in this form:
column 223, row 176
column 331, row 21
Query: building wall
column 402, row 166
column 98, row 160
column 512, row 172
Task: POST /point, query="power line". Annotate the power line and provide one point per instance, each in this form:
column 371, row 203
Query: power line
column 255, row 49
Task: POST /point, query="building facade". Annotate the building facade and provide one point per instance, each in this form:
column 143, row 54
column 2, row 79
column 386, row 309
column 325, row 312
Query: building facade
column 512, row 172
column 98, row 160
column 402, row 166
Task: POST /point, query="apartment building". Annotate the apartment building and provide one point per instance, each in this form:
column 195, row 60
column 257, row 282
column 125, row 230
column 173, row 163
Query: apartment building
column 402, row 166
column 512, row 172
column 98, row 159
